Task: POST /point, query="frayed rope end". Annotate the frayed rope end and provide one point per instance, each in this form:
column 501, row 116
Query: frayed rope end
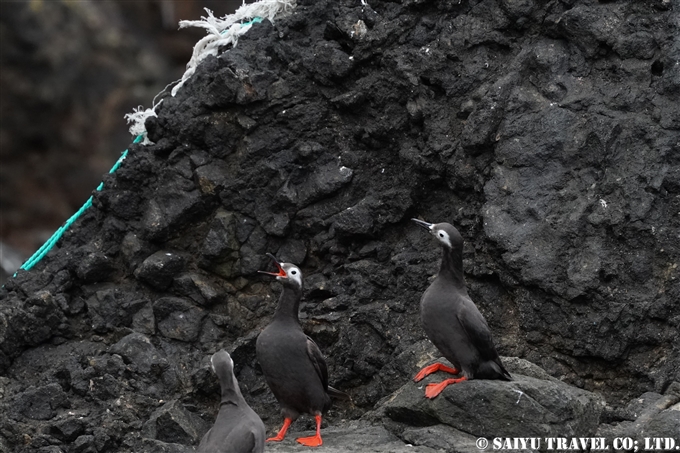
column 138, row 117
column 226, row 31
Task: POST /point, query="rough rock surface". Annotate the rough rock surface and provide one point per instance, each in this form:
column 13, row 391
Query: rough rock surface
column 650, row 416
column 356, row 436
column 547, row 132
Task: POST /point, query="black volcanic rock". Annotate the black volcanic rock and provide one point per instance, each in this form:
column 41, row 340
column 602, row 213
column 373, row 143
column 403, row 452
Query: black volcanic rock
column 40, row 403
column 136, row 349
column 109, row 308
column 170, row 211
column 159, row 269
column 177, row 318
column 95, row 267
column 546, row 132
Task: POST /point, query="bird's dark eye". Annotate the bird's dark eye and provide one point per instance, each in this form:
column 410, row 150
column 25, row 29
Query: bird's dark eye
column 441, row 235
column 294, row 272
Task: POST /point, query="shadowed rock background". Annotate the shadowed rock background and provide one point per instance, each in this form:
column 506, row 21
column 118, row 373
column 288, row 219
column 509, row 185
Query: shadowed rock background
column 70, row 71
column 548, row 132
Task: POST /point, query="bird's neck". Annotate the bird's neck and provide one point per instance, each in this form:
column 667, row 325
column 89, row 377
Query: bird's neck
column 231, row 393
column 452, row 266
column 289, row 304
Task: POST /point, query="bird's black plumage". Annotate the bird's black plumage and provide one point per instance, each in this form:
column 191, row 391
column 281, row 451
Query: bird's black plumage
column 237, row 429
column 451, row 320
column 292, row 363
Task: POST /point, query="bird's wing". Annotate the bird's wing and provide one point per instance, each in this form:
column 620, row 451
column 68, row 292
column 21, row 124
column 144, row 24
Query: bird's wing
column 318, row 361
column 477, row 331
column 251, row 443
column 245, row 441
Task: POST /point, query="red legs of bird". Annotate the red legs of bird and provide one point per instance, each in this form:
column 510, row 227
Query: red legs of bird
column 434, row 389
column 282, row 432
column 434, row 368
column 313, row 441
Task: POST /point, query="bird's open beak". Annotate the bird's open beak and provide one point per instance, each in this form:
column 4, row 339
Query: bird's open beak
column 281, row 273
column 423, row 224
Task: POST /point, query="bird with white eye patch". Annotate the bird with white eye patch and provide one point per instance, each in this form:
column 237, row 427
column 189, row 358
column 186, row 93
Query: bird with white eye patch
column 452, row 321
column 443, row 237
column 292, row 363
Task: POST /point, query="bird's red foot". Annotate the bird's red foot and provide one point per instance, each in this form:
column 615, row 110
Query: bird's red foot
column 434, row 389
column 282, row 432
column 434, row 368
column 312, row 441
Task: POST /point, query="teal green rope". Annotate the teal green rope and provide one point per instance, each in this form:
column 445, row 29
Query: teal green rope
column 47, row 246
column 254, row 20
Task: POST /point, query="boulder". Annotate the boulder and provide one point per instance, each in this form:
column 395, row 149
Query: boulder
column 159, row 269
column 524, row 407
column 138, row 351
column 173, row 423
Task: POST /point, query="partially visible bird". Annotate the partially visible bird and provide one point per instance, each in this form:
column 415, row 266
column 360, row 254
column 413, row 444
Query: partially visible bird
column 292, row 363
column 237, row 429
column 452, row 321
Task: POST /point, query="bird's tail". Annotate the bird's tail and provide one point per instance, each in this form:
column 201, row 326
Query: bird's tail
column 338, row 394
column 503, row 373
column 492, row 369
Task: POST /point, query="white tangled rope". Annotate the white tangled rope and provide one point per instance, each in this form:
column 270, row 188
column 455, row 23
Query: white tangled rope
column 138, row 118
column 221, row 32
column 226, row 31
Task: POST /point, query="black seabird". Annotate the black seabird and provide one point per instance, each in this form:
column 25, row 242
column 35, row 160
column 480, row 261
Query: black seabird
column 237, row 429
column 452, row 321
column 292, row 363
